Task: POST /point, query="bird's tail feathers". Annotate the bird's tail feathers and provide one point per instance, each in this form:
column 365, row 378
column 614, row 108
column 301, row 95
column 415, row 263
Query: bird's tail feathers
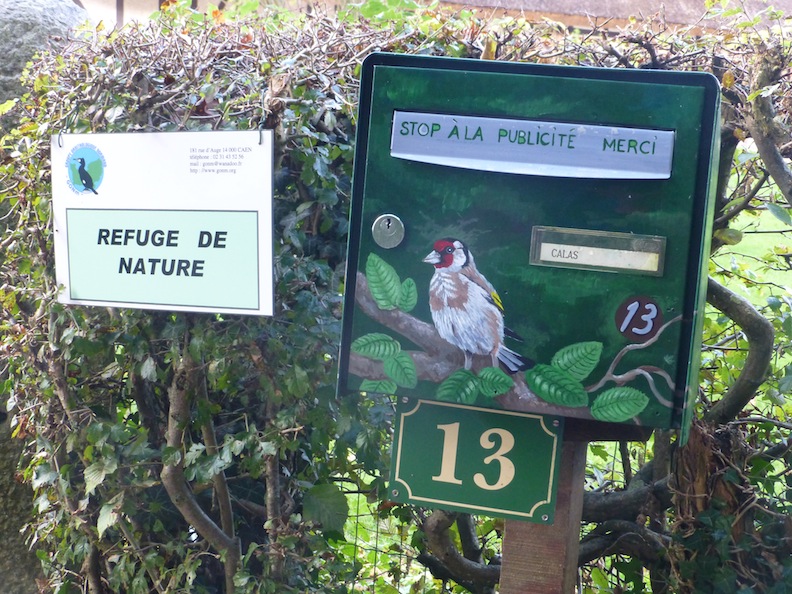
column 508, row 332
column 512, row 361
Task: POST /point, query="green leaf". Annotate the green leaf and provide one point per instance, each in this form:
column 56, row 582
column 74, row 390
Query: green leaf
column 461, row 386
column 108, row 516
column 378, row 386
column 383, row 282
column 171, row 456
column 95, row 473
column 297, row 382
column 619, row 404
column 779, row 212
column 44, row 474
column 409, row 295
column 556, row 386
column 6, row 106
column 578, row 359
column 494, row 382
column 729, row 236
column 326, row 505
column 376, row 346
column 148, row 371
column 786, row 326
column 401, row 369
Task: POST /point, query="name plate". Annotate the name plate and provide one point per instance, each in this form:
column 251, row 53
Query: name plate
column 598, row 250
column 532, row 147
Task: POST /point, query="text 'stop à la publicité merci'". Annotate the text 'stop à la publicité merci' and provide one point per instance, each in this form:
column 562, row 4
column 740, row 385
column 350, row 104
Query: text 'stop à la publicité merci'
column 532, row 147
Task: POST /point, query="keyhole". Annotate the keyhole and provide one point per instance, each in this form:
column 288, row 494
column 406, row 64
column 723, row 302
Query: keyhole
column 387, row 231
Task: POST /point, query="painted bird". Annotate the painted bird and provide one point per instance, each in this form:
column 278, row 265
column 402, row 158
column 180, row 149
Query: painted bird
column 466, row 310
column 85, row 177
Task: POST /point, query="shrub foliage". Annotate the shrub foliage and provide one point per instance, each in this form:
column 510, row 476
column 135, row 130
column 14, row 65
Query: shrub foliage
column 198, row 453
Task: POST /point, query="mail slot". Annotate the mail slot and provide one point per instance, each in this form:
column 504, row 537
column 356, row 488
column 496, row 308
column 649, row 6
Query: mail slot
column 530, row 237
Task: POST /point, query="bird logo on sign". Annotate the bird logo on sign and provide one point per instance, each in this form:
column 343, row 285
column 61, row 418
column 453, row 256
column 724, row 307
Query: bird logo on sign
column 85, row 166
column 85, row 178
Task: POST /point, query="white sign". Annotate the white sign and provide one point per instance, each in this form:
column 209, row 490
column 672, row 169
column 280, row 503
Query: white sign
column 170, row 221
column 532, row 147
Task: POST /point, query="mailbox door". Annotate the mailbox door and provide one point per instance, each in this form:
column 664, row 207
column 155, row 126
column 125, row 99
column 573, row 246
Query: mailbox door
column 530, row 237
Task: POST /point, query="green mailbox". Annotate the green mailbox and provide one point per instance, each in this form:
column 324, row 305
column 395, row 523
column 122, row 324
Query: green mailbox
column 530, row 238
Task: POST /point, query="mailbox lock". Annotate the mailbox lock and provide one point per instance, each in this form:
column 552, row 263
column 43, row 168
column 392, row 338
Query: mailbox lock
column 388, row 231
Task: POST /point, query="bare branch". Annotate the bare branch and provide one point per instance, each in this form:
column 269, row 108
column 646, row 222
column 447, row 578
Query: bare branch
column 760, row 334
column 436, row 529
column 765, row 131
column 173, row 478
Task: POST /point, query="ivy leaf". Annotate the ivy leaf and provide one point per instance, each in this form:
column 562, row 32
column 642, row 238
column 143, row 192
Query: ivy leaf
column 556, row 386
column 376, row 346
column 578, row 359
column 619, row 404
column 378, row 386
column 779, row 212
column 383, row 282
column 148, row 371
column 494, row 382
column 326, row 505
column 108, row 516
column 95, row 473
column 401, row 369
column 409, row 295
column 461, row 386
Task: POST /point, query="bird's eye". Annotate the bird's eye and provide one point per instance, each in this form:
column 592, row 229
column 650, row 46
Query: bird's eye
column 449, row 250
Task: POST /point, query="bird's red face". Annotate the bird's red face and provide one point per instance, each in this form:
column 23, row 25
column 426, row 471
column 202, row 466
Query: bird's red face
column 447, row 253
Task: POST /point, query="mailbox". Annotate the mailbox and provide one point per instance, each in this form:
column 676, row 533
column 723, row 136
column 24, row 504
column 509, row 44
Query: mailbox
column 530, row 237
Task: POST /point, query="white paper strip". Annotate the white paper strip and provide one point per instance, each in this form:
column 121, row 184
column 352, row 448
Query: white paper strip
column 532, row 147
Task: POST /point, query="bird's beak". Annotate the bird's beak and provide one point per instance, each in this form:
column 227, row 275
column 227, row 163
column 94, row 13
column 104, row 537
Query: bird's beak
column 432, row 258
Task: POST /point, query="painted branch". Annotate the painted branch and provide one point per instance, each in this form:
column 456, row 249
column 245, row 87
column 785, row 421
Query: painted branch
column 760, row 334
column 439, row 359
column 421, row 333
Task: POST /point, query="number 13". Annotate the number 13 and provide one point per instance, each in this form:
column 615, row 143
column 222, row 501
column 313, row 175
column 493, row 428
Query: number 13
column 449, row 457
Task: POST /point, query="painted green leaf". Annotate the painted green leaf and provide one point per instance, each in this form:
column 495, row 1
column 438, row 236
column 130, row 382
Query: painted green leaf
column 376, row 346
column 378, row 386
column 326, row 505
column 401, row 369
column 409, row 295
column 556, row 386
column 578, row 359
column 461, row 386
column 383, row 282
column 619, row 404
column 494, row 382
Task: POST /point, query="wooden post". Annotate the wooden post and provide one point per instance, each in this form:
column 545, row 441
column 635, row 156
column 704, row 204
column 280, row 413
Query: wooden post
column 542, row 559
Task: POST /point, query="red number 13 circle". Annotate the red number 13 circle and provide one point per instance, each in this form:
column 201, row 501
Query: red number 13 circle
column 639, row 318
